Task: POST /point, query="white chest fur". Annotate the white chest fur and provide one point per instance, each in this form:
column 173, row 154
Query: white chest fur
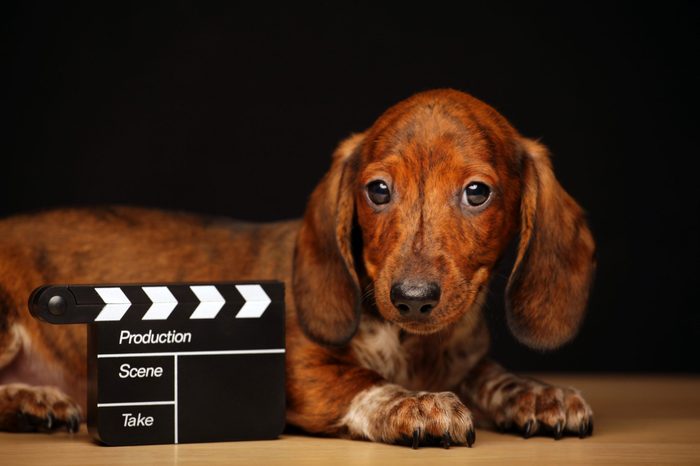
column 433, row 362
column 377, row 346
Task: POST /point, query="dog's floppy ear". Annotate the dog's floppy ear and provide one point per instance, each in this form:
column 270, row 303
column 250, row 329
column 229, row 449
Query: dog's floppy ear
column 548, row 289
column 325, row 283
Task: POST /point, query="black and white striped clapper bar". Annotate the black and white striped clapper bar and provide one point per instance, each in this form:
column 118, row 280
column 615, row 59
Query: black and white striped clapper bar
column 177, row 363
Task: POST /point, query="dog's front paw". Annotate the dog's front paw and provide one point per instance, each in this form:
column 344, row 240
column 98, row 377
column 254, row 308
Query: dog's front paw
column 24, row 408
column 391, row 414
column 529, row 407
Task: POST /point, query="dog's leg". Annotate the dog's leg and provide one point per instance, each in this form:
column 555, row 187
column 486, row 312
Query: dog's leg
column 24, row 408
column 28, row 408
column 524, row 404
column 340, row 398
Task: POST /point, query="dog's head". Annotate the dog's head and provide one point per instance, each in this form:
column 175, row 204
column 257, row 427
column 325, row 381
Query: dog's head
column 438, row 187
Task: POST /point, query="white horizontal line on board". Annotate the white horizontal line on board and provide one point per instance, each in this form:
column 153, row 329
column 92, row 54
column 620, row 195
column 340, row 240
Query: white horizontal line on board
column 191, row 353
column 137, row 403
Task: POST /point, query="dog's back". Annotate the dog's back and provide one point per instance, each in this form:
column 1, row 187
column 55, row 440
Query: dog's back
column 110, row 245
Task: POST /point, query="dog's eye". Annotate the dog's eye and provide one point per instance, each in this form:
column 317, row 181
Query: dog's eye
column 378, row 192
column 476, row 193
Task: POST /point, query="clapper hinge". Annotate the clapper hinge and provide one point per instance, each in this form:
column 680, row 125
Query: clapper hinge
column 57, row 304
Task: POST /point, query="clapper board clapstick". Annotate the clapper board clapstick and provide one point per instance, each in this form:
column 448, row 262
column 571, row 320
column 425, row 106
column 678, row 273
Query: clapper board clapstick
column 178, row 363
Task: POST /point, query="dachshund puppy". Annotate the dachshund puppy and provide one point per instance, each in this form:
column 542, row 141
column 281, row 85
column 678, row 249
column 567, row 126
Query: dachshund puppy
column 387, row 274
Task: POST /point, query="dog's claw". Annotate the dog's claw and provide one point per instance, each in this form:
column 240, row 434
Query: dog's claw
column 73, row 424
column 583, row 430
column 416, row 439
column 558, row 430
column 471, row 437
column 528, row 429
column 445, row 441
column 49, row 421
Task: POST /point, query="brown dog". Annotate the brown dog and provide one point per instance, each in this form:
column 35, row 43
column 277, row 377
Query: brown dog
column 387, row 271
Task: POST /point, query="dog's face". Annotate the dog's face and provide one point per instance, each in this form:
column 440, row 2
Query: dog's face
column 437, row 201
column 437, row 187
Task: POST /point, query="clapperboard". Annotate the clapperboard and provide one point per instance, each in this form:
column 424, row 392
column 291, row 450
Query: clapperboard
column 178, row 363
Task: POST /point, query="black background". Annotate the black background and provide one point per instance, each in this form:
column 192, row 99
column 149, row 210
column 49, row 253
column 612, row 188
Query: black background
column 235, row 110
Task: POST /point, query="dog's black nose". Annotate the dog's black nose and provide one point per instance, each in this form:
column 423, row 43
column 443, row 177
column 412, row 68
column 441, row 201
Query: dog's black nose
column 414, row 298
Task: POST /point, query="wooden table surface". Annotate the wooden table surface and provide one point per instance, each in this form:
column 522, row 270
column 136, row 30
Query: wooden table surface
column 638, row 420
